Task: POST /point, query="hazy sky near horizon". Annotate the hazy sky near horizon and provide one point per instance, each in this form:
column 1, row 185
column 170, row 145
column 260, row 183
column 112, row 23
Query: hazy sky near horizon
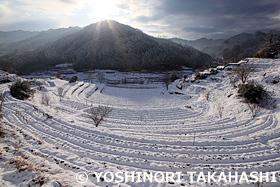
column 189, row 19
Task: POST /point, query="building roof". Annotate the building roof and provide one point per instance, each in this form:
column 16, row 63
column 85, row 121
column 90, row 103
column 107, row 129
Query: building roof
column 66, row 65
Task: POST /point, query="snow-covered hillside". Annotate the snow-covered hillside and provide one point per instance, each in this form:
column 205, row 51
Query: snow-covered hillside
column 208, row 128
column 108, row 45
column 246, row 45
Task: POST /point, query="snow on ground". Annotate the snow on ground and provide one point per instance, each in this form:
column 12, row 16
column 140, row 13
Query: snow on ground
column 147, row 130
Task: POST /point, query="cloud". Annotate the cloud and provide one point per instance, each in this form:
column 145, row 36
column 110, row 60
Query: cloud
column 189, row 19
column 122, row 6
column 67, row 1
column 217, row 17
column 31, row 25
column 5, row 13
column 213, row 18
column 200, row 30
column 37, row 15
column 51, row 7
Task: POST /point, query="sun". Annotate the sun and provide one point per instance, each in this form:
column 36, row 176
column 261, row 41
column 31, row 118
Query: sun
column 104, row 9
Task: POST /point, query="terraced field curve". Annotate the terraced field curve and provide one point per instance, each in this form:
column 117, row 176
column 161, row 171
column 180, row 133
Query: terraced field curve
column 147, row 130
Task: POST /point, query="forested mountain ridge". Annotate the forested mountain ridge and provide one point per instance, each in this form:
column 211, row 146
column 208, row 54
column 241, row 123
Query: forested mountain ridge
column 234, row 48
column 15, row 36
column 30, row 41
column 200, row 44
column 110, row 45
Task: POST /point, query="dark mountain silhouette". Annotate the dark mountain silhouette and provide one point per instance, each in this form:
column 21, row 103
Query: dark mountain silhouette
column 203, row 44
column 110, row 45
column 15, row 36
column 234, row 48
column 30, row 41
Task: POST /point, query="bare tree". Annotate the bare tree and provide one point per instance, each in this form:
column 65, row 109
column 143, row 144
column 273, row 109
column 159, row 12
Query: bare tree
column 60, row 92
column 45, row 99
column 100, row 77
column 141, row 116
column 254, row 108
column 206, row 94
column 220, row 109
column 58, row 75
column 193, row 138
column 166, row 80
column 244, row 71
column 259, row 184
column 90, row 77
column 97, row 114
column 2, row 100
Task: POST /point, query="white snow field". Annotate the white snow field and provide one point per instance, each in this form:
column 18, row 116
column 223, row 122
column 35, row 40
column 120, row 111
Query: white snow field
column 147, row 130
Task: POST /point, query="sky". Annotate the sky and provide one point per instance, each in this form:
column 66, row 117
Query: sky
column 188, row 19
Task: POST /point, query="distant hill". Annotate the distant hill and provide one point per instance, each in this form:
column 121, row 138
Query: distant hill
column 234, row 48
column 15, row 36
column 109, row 45
column 201, row 44
column 32, row 40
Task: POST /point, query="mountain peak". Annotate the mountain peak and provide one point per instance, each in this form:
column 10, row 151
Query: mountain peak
column 109, row 44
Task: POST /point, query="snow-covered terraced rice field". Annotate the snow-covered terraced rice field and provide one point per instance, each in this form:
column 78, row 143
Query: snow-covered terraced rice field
column 152, row 130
